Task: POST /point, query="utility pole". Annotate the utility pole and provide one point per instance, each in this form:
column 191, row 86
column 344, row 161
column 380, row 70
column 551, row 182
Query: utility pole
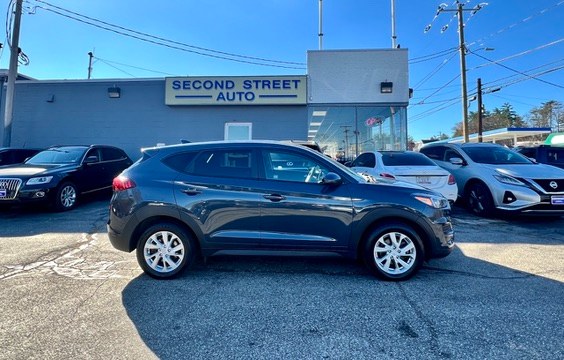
column 463, row 73
column 346, row 131
column 480, row 124
column 462, row 48
column 12, row 75
column 90, row 64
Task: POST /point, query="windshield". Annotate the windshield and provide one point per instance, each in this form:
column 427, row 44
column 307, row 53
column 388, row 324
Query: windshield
column 67, row 155
column 496, row 155
column 350, row 172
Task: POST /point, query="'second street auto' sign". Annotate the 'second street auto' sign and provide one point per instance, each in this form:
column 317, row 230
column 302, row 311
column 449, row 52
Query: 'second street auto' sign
column 240, row 90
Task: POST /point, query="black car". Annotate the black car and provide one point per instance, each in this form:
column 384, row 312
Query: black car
column 10, row 156
column 60, row 174
column 181, row 201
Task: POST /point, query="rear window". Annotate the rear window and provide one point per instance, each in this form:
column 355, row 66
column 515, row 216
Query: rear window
column 555, row 156
column 406, row 159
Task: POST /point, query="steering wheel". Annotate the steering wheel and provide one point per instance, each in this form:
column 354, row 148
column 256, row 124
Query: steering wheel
column 313, row 174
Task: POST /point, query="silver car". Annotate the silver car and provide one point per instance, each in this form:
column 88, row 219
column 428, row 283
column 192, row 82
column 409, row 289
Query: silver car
column 491, row 177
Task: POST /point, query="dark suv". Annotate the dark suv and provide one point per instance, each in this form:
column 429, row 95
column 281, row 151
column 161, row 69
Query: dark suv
column 545, row 154
column 181, row 201
column 60, row 174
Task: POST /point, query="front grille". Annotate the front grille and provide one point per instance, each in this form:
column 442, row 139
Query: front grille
column 10, row 186
column 545, row 185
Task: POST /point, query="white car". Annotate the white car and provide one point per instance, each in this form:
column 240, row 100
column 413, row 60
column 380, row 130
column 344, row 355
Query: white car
column 408, row 166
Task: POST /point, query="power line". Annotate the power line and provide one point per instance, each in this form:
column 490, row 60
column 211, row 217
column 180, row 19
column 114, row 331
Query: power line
column 528, row 18
column 519, row 54
column 167, row 45
column 519, row 72
column 109, row 62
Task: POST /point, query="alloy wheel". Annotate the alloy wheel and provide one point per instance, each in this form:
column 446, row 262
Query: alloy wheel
column 394, row 253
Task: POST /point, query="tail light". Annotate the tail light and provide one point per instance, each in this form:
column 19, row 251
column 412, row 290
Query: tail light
column 451, row 180
column 387, row 176
column 122, row 183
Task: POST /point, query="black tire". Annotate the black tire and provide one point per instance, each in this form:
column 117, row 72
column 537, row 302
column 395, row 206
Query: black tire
column 170, row 248
column 400, row 254
column 479, row 200
column 66, row 197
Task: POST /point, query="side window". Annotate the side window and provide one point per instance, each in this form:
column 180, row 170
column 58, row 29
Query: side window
column 219, row 163
column 93, row 152
column 555, row 156
column 180, row 162
column 290, row 166
column 109, row 154
column 223, row 163
column 365, row 160
column 449, row 154
column 435, row 153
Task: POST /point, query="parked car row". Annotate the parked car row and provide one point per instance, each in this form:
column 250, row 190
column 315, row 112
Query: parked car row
column 60, row 174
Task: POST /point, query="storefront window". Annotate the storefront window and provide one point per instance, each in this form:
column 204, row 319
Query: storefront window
column 343, row 132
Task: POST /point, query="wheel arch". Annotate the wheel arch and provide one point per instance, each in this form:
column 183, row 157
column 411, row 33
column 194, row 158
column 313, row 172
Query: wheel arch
column 424, row 232
column 162, row 218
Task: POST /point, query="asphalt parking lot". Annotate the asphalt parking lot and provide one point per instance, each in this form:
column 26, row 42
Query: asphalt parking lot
column 66, row 293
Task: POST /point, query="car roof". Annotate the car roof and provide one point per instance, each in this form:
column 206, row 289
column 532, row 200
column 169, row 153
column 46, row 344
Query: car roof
column 232, row 143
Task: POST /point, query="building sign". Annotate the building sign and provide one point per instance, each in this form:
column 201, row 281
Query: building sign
column 240, row 90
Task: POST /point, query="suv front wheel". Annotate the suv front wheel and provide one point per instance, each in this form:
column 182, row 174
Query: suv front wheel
column 164, row 250
column 393, row 252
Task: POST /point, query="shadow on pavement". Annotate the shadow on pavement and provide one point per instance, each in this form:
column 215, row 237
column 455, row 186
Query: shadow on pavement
column 296, row 308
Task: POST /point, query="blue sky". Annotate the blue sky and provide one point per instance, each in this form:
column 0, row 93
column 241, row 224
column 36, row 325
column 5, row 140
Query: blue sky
column 528, row 38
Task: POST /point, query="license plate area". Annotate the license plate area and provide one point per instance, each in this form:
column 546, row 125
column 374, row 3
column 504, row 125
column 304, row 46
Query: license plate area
column 3, row 193
column 557, row 199
column 423, row 180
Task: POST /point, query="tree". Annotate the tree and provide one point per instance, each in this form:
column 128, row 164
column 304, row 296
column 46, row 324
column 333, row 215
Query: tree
column 549, row 114
column 499, row 118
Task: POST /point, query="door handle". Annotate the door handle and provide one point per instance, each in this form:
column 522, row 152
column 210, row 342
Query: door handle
column 191, row 191
column 274, row 197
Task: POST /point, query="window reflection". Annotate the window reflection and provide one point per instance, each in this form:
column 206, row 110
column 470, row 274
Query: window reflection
column 343, row 132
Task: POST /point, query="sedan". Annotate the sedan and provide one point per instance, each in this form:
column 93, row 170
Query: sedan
column 60, row 174
column 407, row 166
column 492, row 178
column 184, row 201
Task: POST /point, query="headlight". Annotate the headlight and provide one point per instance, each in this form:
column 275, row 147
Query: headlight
column 39, row 180
column 508, row 180
column 437, row 202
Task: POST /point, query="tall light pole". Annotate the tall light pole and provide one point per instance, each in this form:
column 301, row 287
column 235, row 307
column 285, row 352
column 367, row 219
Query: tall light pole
column 12, row 75
column 320, row 33
column 394, row 37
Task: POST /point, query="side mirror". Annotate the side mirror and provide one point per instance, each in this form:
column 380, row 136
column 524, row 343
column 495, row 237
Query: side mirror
column 456, row 161
column 332, row 179
column 91, row 159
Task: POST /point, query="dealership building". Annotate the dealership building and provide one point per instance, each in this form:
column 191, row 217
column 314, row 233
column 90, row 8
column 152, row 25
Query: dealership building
column 349, row 101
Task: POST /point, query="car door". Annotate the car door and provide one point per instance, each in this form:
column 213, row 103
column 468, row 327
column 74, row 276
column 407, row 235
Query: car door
column 298, row 211
column 88, row 172
column 218, row 189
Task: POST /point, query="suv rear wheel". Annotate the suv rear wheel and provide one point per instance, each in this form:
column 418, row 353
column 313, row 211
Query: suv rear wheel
column 393, row 252
column 164, row 250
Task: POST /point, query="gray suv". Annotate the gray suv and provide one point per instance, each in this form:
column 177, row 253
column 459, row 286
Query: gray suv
column 493, row 178
column 183, row 201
